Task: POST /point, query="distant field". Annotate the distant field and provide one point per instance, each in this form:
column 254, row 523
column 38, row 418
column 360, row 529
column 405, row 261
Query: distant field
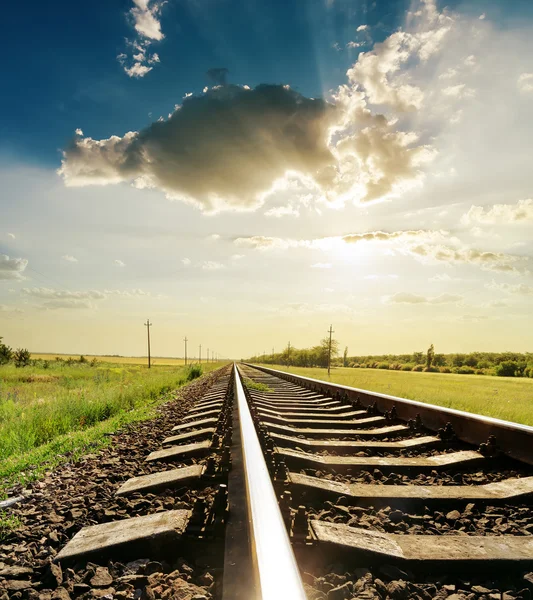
column 126, row 360
column 505, row 398
column 50, row 409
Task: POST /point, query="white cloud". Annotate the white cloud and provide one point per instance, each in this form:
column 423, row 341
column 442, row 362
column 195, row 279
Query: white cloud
column 12, row 268
column 237, row 256
column 145, row 16
column 145, row 19
column 482, row 16
column 362, row 28
column 408, row 298
column 10, row 309
column 210, row 265
column 444, row 277
column 525, row 82
column 378, row 71
column 69, row 258
column 11, row 235
column 186, row 262
column 520, row 289
column 282, row 211
column 78, row 131
column 117, row 262
column 260, row 242
column 58, row 299
column 49, row 293
column 137, row 70
column 500, row 214
column 487, row 261
column 321, row 265
column 458, row 91
column 374, row 277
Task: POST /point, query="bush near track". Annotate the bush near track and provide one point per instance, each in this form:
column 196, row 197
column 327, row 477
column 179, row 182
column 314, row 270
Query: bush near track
column 505, row 398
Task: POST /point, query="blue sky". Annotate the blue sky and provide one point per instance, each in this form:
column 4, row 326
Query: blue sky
column 424, row 135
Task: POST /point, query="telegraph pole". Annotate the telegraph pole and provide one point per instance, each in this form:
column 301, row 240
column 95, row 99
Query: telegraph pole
column 200, row 353
column 329, row 348
column 185, row 340
column 147, row 325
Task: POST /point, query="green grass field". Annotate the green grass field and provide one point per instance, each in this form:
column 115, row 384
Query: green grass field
column 47, row 412
column 505, row 398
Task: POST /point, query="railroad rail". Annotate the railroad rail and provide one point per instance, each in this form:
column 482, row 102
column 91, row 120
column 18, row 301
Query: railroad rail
column 275, row 486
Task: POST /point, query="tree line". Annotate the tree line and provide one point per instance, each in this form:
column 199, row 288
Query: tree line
column 503, row 364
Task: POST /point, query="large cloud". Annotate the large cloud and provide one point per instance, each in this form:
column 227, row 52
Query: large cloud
column 224, row 148
column 12, row 268
column 231, row 147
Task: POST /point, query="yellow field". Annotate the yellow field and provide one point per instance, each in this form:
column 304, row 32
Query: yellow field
column 126, row 360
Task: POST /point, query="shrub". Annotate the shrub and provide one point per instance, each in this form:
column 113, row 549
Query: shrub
column 194, row 372
column 507, row 368
column 445, row 370
column 383, row 365
column 22, row 357
column 82, row 359
column 407, row 367
column 480, row 372
column 418, row 368
column 6, row 353
column 431, row 370
column 464, row 370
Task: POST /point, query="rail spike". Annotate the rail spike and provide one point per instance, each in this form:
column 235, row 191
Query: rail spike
column 447, row 433
column 490, row 448
column 392, row 414
column 416, row 423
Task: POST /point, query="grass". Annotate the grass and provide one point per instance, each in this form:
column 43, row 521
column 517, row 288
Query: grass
column 260, row 387
column 48, row 413
column 8, row 523
column 505, row 398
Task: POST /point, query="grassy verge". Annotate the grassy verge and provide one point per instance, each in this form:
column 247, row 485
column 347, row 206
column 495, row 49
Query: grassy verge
column 61, row 413
column 505, row 398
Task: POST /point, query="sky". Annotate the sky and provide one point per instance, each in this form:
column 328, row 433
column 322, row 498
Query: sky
column 247, row 173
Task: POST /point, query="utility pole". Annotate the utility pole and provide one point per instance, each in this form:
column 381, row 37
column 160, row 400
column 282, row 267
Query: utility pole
column 289, row 355
column 329, row 348
column 185, row 340
column 200, row 353
column 148, row 325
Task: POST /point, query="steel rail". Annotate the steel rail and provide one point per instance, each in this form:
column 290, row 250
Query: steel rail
column 513, row 439
column 277, row 573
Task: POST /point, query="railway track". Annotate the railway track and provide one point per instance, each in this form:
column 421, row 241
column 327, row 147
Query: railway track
column 268, row 486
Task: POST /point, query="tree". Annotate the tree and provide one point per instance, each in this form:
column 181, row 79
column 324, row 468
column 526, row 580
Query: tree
column 22, row 357
column 323, row 351
column 345, row 357
column 507, row 368
column 6, row 353
column 418, row 358
column 430, row 355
